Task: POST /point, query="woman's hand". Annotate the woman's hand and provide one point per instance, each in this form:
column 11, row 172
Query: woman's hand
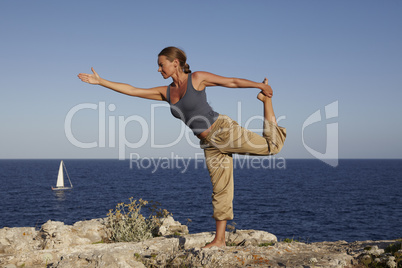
column 155, row 93
column 266, row 89
column 93, row 79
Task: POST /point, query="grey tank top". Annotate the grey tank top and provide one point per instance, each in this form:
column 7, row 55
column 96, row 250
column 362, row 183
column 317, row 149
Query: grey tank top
column 193, row 108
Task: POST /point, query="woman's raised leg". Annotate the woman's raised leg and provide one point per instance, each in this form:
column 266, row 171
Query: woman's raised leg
column 273, row 134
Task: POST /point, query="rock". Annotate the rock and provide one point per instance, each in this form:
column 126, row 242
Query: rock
column 243, row 237
column 80, row 245
column 95, row 230
column 54, row 234
column 196, row 240
column 375, row 251
column 101, row 255
column 10, row 266
column 24, row 235
column 171, row 227
column 250, row 237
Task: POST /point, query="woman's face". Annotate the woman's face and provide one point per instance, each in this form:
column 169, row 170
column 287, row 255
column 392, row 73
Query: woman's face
column 166, row 67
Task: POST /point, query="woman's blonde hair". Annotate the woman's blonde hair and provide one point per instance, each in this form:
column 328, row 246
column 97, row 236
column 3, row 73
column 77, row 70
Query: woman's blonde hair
column 172, row 53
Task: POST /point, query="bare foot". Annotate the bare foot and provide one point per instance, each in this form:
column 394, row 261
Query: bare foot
column 262, row 97
column 214, row 243
column 269, row 114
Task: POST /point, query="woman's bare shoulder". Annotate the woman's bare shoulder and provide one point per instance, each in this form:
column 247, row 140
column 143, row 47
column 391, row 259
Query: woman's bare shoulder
column 199, row 74
column 199, row 78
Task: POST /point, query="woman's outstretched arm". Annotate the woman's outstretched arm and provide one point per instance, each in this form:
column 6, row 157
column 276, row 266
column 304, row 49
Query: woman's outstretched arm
column 156, row 93
column 201, row 80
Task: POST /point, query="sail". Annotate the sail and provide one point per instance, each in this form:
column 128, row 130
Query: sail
column 60, row 177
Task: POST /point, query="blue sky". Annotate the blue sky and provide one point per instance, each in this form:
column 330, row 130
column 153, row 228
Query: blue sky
column 314, row 53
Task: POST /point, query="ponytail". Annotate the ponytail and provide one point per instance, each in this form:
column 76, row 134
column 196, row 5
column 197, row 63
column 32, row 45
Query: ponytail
column 186, row 69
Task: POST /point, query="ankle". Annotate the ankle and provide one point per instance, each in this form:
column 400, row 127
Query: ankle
column 220, row 240
column 262, row 97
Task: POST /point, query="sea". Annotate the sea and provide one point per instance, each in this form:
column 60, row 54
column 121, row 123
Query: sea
column 301, row 199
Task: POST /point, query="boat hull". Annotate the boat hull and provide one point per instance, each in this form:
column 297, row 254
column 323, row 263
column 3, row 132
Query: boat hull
column 61, row 188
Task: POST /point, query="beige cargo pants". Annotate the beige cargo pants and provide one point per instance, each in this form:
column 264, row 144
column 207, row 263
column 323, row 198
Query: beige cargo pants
column 227, row 137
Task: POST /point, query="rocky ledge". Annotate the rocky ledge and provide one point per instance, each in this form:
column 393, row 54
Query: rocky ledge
column 82, row 245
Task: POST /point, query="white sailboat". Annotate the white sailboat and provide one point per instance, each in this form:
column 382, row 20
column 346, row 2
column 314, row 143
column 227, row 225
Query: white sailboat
column 60, row 179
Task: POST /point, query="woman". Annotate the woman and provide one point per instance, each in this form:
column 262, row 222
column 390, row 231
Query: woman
column 219, row 135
